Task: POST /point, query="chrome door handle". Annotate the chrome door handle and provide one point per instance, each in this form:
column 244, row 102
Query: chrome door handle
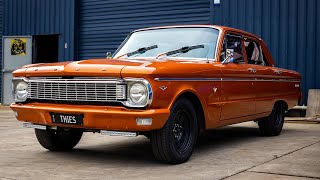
column 252, row 70
column 278, row 72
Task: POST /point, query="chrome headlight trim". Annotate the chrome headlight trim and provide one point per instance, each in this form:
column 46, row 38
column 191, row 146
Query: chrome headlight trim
column 15, row 82
column 147, row 85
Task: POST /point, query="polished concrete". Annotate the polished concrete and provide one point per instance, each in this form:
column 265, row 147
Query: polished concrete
column 234, row 152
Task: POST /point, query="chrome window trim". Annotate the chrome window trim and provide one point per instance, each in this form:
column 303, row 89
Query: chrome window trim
column 220, row 38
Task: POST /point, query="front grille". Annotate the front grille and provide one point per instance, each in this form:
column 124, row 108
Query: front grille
column 77, row 89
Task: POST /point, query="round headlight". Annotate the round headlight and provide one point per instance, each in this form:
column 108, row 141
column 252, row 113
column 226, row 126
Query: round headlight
column 138, row 93
column 21, row 92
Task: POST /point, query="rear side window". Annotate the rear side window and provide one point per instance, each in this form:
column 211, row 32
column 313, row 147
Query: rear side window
column 254, row 53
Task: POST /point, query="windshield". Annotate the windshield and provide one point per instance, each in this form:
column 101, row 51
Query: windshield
column 169, row 40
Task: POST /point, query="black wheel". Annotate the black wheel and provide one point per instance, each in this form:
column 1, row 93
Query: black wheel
column 175, row 141
column 272, row 125
column 59, row 140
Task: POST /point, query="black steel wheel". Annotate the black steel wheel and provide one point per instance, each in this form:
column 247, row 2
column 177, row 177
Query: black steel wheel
column 59, row 140
column 273, row 124
column 175, row 141
column 181, row 131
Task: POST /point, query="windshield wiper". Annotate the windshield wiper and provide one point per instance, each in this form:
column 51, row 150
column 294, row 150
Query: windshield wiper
column 139, row 51
column 180, row 50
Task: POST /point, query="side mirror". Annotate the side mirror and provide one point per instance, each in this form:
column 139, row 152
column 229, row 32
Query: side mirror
column 229, row 56
column 108, row 55
column 226, row 60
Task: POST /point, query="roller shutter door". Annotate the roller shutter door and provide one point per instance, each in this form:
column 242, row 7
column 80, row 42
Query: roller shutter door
column 103, row 25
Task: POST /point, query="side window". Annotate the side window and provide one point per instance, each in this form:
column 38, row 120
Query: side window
column 254, row 52
column 232, row 49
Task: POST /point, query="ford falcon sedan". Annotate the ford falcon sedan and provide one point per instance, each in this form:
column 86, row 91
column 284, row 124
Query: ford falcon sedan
column 167, row 83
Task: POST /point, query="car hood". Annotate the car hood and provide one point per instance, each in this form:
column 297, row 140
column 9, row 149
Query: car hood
column 114, row 68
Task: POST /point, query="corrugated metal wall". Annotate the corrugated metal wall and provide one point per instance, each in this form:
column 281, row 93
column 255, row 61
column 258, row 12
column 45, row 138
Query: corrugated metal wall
column 291, row 29
column 1, row 32
column 43, row 17
column 103, row 25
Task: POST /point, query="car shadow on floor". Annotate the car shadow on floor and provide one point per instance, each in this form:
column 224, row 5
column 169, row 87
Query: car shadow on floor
column 139, row 150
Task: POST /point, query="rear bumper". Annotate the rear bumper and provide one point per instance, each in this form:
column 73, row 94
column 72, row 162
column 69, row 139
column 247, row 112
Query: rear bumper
column 95, row 117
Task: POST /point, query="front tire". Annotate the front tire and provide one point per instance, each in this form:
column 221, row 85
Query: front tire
column 175, row 141
column 273, row 124
column 59, row 140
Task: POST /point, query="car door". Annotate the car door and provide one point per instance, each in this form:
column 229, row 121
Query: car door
column 237, row 82
column 267, row 85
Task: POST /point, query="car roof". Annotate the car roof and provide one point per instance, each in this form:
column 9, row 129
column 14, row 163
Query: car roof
column 222, row 28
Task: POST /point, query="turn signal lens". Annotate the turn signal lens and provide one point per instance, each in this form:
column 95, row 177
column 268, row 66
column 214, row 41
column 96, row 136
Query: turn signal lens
column 144, row 121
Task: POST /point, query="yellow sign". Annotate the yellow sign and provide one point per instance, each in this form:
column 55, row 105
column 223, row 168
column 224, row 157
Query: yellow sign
column 18, row 46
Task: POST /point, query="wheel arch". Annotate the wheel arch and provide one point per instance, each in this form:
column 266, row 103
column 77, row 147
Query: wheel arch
column 198, row 106
column 283, row 102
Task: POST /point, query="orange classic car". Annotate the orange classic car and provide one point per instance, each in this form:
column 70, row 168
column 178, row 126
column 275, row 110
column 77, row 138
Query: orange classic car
column 167, row 83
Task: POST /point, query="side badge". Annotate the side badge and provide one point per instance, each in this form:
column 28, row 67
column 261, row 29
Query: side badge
column 163, row 88
column 215, row 89
column 297, row 85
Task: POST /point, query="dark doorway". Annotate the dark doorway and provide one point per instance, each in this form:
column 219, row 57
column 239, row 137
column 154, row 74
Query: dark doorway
column 45, row 48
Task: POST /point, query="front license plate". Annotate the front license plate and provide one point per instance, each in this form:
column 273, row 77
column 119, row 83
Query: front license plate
column 73, row 119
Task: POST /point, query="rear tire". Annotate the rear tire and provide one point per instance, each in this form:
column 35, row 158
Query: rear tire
column 272, row 125
column 175, row 141
column 59, row 140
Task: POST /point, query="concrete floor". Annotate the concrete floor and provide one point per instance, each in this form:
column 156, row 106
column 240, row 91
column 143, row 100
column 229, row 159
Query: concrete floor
column 234, row 152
